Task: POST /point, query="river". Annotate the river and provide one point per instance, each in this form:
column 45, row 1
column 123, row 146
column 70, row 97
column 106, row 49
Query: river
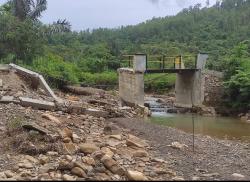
column 219, row 127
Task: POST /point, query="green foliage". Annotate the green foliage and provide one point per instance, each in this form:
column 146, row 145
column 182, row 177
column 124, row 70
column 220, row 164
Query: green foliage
column 92, row 57
column 27, row 9
column 159, row 83
column 55, row 66
column 237, row 77
column 238, row 90
column 19, row 40
column 104, row 78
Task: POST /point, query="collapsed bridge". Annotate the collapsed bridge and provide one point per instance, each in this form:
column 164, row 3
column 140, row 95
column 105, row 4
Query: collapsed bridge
column 189, row 86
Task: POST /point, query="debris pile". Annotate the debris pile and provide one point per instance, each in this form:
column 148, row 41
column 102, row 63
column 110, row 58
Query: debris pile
column 24, row 89
column 69, row 140
column 46, row 145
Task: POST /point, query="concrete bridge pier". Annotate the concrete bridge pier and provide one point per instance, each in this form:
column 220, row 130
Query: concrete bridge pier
column 131, row 82
column 190, row 85
column 189, row 89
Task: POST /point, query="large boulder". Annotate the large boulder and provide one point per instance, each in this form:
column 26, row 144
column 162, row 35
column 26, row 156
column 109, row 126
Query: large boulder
column 112, row 165
column 136, row 176
column 88, row 148
column 134, row 141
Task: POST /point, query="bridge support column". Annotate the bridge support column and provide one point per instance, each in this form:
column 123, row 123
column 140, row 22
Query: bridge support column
column 190, row 86
column 189, row 89
column 131, row 82
column 131, row 87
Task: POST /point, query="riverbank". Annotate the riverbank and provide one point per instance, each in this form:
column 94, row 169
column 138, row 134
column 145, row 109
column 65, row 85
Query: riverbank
column 70, row 140
column 53, row 145
column 212, row 159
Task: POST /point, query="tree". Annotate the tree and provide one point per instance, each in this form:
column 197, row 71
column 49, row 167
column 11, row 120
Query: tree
column 237, row 77
column 19, row 40
column 28, row 8
column 60, row 26
column 207, row 3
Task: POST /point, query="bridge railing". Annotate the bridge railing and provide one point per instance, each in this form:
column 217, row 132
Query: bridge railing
column 162, row 62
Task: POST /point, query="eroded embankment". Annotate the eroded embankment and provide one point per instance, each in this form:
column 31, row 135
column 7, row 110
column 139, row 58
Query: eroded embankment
column 73, row 141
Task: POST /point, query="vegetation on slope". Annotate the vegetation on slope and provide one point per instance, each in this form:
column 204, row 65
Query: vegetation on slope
column 92, row 57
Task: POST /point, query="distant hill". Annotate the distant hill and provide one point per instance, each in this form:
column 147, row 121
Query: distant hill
column 214, row 30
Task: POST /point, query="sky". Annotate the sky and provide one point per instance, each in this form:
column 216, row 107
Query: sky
column 84, row 14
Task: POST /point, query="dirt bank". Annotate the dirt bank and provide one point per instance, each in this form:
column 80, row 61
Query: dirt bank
column 213, row 159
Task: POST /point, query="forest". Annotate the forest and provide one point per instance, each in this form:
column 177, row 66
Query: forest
column 92, row 57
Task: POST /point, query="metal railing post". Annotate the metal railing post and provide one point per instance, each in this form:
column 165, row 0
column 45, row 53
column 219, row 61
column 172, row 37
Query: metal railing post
column 180, row 58
column 163, row 61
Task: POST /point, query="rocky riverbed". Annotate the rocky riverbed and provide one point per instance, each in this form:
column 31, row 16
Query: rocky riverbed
column 71, row 140
column 82, row 138
column 212, row 159
column 40, row 145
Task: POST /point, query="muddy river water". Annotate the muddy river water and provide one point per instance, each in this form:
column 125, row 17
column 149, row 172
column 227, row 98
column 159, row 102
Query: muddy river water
column 219, row 127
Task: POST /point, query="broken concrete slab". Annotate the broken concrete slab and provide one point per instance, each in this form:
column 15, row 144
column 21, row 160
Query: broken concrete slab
column 37, row 80
column 46, row 87
column 7, row 99
column 4, row 67
column 35, row 127
column 38, row 104
column 96, row 113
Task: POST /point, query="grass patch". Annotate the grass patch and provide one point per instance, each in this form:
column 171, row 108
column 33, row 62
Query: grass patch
column 159, row 83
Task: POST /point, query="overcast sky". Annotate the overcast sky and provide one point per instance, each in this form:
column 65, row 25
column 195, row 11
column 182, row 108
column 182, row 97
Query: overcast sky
column 91, row 14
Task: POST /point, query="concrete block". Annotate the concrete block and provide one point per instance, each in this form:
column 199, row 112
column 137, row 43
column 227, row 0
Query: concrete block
column 1, row 83
column 38, row 104
column 189, row 89
column 4, row 67
column 7, row 99
column 201, row 61
column 131, row 87
column 139, row 63
column 96, row 113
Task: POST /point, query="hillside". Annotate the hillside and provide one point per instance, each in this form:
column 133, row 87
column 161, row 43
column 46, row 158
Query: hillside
column 215, row 30
column 92, row 57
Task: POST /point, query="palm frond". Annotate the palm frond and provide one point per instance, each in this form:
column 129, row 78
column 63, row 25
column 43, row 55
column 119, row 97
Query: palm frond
column 28, row 8
column 38, row 8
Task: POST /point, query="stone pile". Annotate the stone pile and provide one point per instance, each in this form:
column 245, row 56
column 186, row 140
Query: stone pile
column 88, row 148
column 17, row 86
column 213, row 88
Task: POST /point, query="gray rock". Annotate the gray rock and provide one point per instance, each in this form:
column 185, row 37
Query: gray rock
column 78, row 172
column 35, row 127
column 88, row 148
column 7, row 99
column 38, row 104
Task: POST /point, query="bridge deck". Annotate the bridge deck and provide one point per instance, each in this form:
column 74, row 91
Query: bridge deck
column 170, row 70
